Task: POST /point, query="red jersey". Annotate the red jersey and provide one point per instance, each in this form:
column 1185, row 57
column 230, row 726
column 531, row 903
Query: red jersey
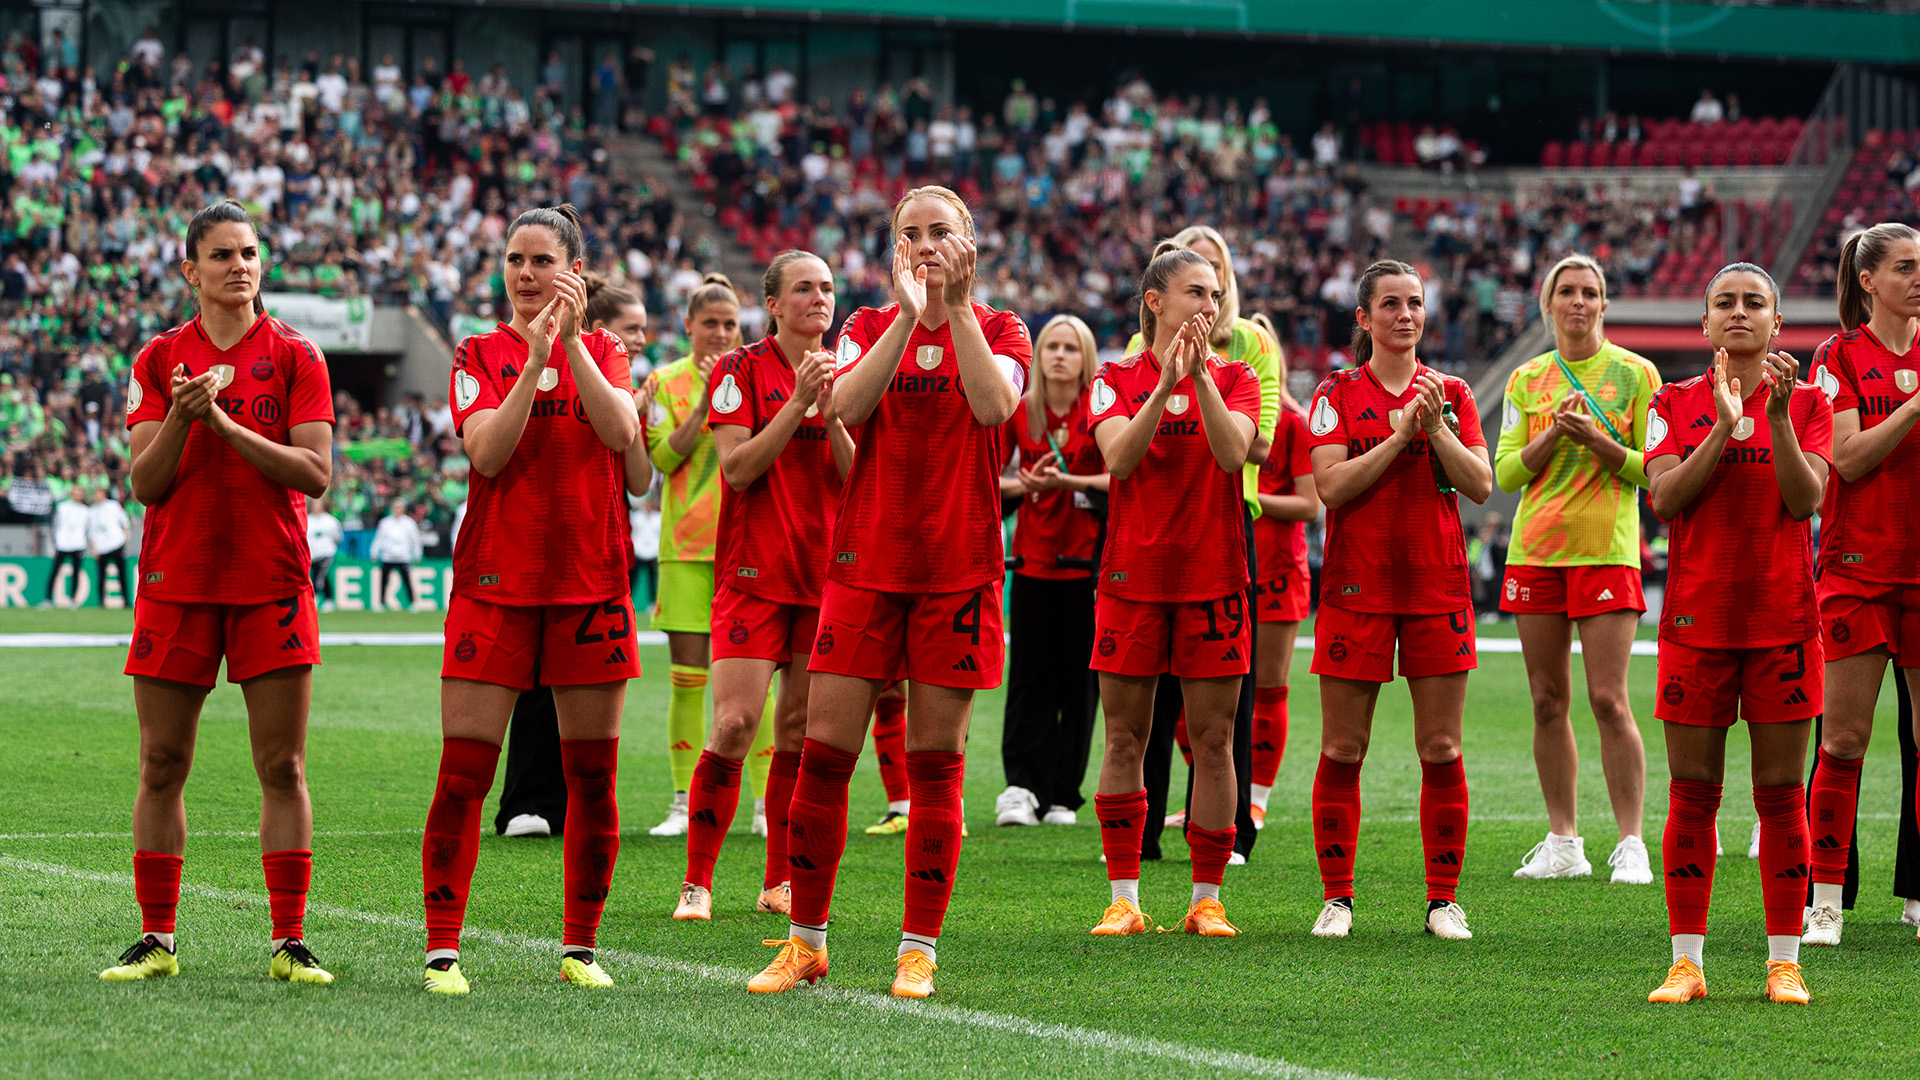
column 773, row 536
column 551, row 528
column 224, row 533
column 1175, row 531
column 1396, row 548
column 920, row 512
column 1739, row 568
column 1866, row 527
column 1280, row 546
column 1053, row 524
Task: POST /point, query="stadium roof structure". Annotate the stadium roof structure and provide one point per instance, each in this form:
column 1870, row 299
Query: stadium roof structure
column 1888, row 36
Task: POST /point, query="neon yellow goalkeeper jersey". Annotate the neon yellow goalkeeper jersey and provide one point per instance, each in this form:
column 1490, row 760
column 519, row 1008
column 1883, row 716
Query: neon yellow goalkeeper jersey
column 1574, row 513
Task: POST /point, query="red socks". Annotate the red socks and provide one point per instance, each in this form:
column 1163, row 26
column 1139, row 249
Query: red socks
column 1123, row 826
column 1783, row 855
column 1269, row 733
column 1686, row 850
column 1831, row 805
column 711, row 803
column 890, row 746
column 817, row 830
column 452, row 843
column 1336, row 823
column 592, row 842
column 933, row 838
column 1443, row 824
column 786, row 770
column 289, row 873
column 156, row 886
column 1181, row 740
column 1209, row 850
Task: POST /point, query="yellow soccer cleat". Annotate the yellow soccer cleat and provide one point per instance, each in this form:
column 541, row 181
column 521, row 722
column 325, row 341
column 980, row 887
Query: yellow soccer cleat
column 798, row 962
column 893, row 824
column 146, row 959
column 1123, row 918
column 447, row 980
column 294, row 962
column 1208, row 918
column 581, row 969
column 695, row 903
column 1685, row 983
column 1784, row 983
column 777, row 900
column 914, row 979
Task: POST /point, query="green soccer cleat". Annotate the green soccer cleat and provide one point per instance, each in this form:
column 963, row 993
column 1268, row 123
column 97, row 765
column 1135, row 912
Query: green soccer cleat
column 294, row 962
column 446, row 980
column 146, row 959
column 581, row 969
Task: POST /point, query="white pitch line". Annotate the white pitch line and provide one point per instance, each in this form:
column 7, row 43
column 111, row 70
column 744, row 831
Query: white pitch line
column 1087, row 1038
column 319, row 834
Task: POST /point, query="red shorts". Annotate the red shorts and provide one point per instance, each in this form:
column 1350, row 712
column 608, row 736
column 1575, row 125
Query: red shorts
column 750, row 628
column 1771, row 685
column 1856, row 616
column 1359, row 645
column 184, row 642
column 540, row 645
column 943, row 639
column 1284, row 598
column 1204, row 639
column 1573, row 591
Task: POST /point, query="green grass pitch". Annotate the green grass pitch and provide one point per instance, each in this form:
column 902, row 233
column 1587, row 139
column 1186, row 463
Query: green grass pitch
column 1554, row 983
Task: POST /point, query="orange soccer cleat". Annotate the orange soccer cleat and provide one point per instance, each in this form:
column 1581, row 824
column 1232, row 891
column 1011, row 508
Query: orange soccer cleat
column 915, row 976
column 1684, row 983
column 1784, row 983
column 1208, row 918
column 777, row 900
column 1123, row 918
column 798, row 962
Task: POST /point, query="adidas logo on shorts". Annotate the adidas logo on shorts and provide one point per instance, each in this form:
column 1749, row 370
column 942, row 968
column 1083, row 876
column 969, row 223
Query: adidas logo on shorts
column 617, row 656
column 1232, row 654
column 292, row 642
column 1605, row 594
column 966, row 663
column 1798, row 697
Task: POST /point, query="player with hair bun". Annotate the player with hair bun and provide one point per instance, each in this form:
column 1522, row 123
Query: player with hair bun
column 913, row 589
column 231, row 423
column 540, row 597
column 1737, row 462
column 1387, row 461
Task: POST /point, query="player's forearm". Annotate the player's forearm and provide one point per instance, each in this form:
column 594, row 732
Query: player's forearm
column 1800, row 486
column 1012, row 488
column 1341, row 481
column 490, row 442
column 154, row 468
column 1538, row 452
column 609, row 408
column 305, row 469
column 1610, row 454
column 682, row 438
column 989, row 393
column 743, row 461
column 1095, row 482
column 1289, row 507
column 1127, row 449
column 1466, row 466
column 1674, row 490
column 1257, row 453
column 639, row 468
column 1228, row 439
column 842, row 442
column 1860, row 453
column 858, row 389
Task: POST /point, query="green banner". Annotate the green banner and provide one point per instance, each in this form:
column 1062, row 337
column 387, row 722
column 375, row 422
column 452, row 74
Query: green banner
column 23, row 583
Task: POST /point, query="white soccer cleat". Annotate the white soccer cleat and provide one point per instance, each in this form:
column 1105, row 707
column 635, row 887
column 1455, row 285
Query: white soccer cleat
column 676, row 823
column 760, row 817
column 1556, row 857
column 1016, row 806
column 1911, row 913
column 1448, row 922
column 528, row 825
column 1336, row 920
column 1630, row 863
column 1824, row 923
column 1236, row 859
column 1753, row 845
column 1060, row 815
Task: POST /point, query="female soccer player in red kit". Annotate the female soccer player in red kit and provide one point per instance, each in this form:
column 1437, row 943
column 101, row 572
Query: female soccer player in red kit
column 1287, row 502
column 231, row 416
column 540, row 583
column 1174, row 423
column 913, row 589
column 1387, row 462
column 1869, row 569
column 782, row 454
column 1737, row 461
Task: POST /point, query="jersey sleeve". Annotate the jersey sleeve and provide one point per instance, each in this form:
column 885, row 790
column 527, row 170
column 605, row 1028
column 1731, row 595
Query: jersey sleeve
column 659, row 425
column 1508, row 470
column 1467, row 413
column 309, row 385
column 1662, row 437
column 1834, row 375
column 1263, row 357
column 611, row 355
column 149, row 390
column 1816, row 431
column 1012, row 348
column 1245, row 394
column 1634, row 469
column 474, row 385
column 863, row 328
column 1107, row 397
column 1324, row 424
column 1291, row 432
column 735, row 400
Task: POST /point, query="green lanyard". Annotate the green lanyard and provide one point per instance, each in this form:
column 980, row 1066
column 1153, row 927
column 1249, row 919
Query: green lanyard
column 1598, row 413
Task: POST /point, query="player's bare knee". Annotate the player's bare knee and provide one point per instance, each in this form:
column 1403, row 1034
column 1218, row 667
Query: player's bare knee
column 164, row 768
column 282, row 773
column 1437, row 749
column 1550, row 706
column 1213, row 744
column 733, row 733
column 1843, row 742
column 1346, row 751
column 1611, row 711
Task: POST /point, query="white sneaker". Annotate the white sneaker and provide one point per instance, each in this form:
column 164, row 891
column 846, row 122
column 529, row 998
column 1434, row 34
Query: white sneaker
column 759, row 817
column 1449, row 923
column 528, row 825
column 1236, row 859
column 1911, row 914
column 1060, row 815
column 1753, row 846
column 1630, row 863
column 1336, row 920
column 676, row 823
column 1016, row 806
column 1176, row 820
column 1824, row 922
column 1556, row 857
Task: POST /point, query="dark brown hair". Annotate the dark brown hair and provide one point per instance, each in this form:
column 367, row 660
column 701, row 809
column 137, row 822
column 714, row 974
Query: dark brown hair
column 1863, row 253
column 606, row 301
column 563, row 220
column 1743, row 268
column 1369, row 282
column 1168, row 258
